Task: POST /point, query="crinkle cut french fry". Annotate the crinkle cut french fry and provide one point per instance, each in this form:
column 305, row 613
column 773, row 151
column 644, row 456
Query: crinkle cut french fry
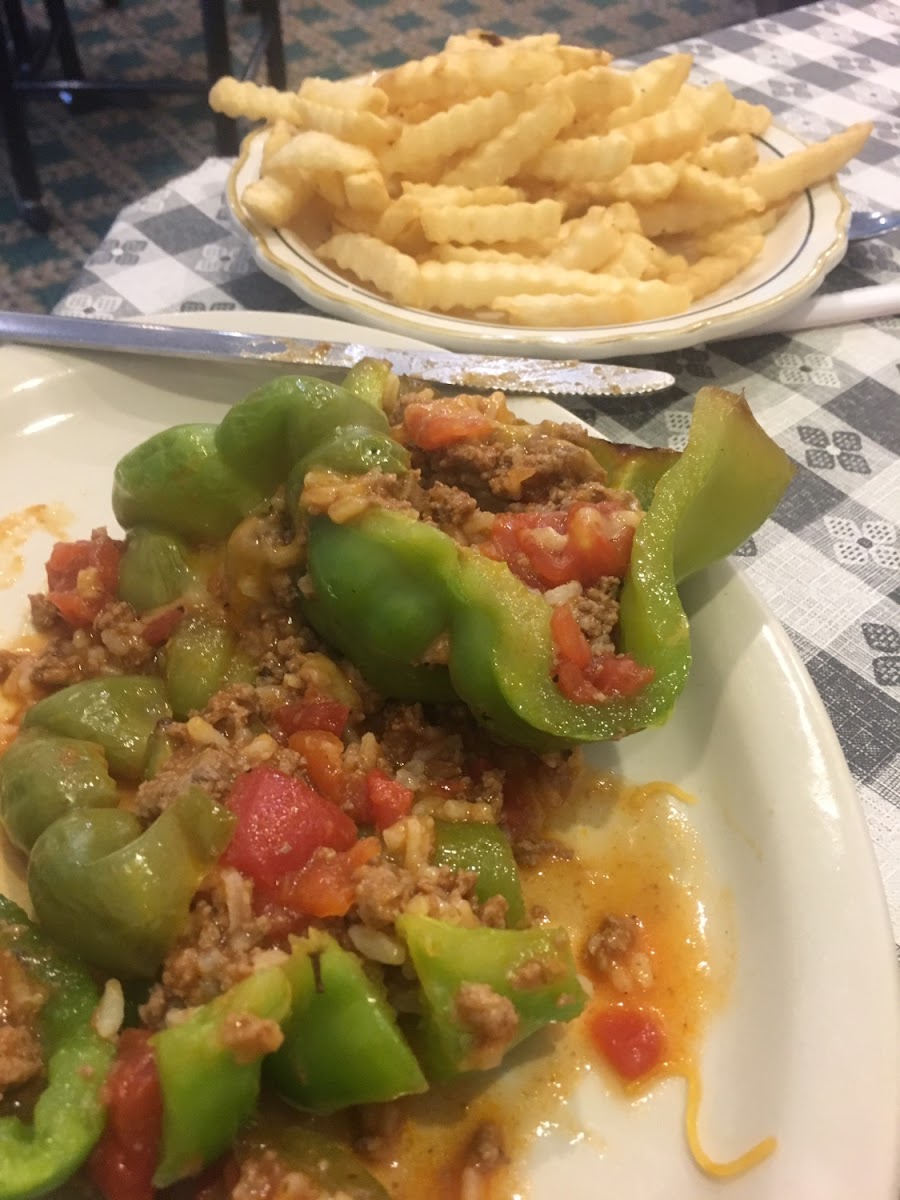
column 241, row 98
column 700, row 199
column 442, row 193
column 363, row 128
column 460, row 76
column 312, row 151
column 366, row 191
column 420, row 147
column 632, row 301
column 499, row 159
column 747, row 118
column 656, row 83
column 735, row 155
column 665, row 135
column 272, row 202
column 278, row 135
column 450, row 285
column 393, row 273
column 468, row 223
column 593, row 158
column 642, row 183
column 479, row 254
column 714, row 271
column 587, row 243
column 594, row 91
column 776, row 181
column 351, row 94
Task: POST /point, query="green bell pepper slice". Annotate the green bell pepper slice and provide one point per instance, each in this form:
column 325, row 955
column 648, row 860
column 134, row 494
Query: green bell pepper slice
column 68, row 1118
column 198, row 657
column 369, row 379
column 379, row 585
column 208, row 1092
column 43, row 776
column 118, row 712
column 349, row 451
column 264, row 435
column 485, row 848
column 533, row 969
column 341, row 1044
column 334, row 1167
column 178, row 481
column 155, row 569
column 120, row 895
column 501, row 651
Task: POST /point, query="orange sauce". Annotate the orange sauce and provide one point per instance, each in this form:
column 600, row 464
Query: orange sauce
column 17, row 527
column 635, row 853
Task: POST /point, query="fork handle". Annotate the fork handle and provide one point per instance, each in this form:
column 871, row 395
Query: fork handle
column 836, row 308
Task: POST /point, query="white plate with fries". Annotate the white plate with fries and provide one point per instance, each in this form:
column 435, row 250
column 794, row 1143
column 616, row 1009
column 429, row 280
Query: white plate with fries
column 530, row 197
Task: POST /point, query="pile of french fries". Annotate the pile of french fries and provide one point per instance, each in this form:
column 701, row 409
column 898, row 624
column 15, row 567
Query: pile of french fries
column 526, row 180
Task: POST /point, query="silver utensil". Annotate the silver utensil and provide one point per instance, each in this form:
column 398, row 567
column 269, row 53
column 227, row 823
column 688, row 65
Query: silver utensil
column 865, row 225
column 477, row 372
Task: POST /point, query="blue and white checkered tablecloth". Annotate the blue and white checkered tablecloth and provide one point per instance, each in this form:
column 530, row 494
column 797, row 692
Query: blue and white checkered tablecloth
column 829, row 562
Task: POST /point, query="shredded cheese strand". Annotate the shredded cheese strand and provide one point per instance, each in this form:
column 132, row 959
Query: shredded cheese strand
column 736, row 1166
column 645, row 791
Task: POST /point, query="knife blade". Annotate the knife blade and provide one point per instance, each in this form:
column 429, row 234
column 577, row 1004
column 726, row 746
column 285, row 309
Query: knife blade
column 477, row 372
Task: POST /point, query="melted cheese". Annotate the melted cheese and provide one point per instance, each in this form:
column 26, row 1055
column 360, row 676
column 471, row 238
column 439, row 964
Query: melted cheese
column 720, row 1170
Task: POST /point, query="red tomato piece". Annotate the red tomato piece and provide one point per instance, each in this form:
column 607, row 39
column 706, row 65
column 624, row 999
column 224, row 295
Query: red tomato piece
column 160, row 625
column 324, row 888
column 571, row 644
column 82, row 576
column 322, row 714
column 123, row 1161
column 445, row 422
column 389, row 800
column 323, row 756
column 618, row 674
column 633, row 1041
column 600, row 536
column 281, row 822
column 583, row 543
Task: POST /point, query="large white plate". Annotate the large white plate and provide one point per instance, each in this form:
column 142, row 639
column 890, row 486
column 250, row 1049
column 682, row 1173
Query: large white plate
column 807, row 1046
column 807, row 243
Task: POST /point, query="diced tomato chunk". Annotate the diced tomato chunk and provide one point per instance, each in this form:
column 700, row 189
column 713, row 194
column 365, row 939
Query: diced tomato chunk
column 618, row 674
column 323, row 756
column 389, row 799
column 82, row 576
column 123, row 1161
column 633, row 1041
column 160, row 625
column 582, row 543
column 281, row 822
column 319, row 713
column 586, row 678
column 324, row 887
column 571, row 644
column 606, row 676
column 444, row 422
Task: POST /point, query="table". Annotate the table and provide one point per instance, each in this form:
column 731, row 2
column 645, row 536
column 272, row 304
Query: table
column 829, row 561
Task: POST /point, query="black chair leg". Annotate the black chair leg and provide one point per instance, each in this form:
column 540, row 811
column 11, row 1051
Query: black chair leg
column 218, row 63
column 271, row 22
column 19, row 37
column 58, row 16
column 21, row 157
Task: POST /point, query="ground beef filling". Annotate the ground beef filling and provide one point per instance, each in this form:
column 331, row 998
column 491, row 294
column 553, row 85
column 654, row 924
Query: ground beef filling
column 21, row 1001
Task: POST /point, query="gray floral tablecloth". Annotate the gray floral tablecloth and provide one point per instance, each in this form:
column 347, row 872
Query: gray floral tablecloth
column 829, row 561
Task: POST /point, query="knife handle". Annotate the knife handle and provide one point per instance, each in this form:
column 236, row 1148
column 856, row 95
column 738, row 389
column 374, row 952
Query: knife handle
column 836, row 308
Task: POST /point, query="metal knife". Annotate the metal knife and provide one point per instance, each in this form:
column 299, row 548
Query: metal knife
column 478, row 372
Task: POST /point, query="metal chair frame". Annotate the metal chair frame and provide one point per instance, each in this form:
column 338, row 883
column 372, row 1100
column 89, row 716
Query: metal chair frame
column 23, row 57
